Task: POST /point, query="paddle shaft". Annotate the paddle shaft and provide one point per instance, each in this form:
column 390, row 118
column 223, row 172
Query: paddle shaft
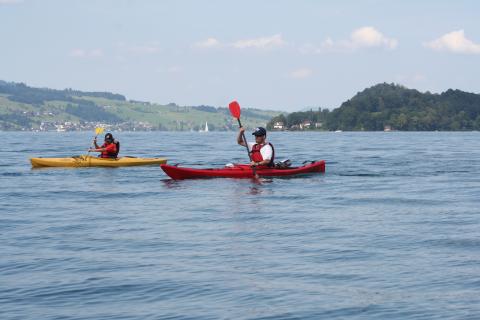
column 235, row 111
column 244, row 140
column 254, row 169
column 88, row 153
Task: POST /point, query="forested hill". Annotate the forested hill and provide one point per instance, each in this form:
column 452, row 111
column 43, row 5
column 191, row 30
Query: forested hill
column 390, row 106
column 26, row 108
column 20, row 92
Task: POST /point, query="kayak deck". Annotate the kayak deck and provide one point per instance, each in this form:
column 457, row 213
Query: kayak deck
column 89, row 161
column 240, row 171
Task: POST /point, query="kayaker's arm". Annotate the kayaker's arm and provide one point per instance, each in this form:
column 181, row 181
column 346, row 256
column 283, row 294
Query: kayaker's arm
column 95, row 143
column 260, row 163
column 240, row 137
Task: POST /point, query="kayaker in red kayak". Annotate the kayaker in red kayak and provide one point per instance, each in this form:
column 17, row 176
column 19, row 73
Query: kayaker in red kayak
column 109, row 149
column 262, row 152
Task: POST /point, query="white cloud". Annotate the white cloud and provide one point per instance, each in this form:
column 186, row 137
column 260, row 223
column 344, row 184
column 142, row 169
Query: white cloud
column 301, row 73
column 329, row 44
column 365, row 37
column 371, row 37
column 82, row 53
column 261, row 43
column 255, row 43
column 455, row 42
column 209, row 43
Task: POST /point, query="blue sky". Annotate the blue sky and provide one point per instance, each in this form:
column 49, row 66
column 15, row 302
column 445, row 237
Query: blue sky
column 284, row 55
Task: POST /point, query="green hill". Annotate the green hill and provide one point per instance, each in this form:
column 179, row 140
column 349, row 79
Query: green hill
column 390, row 106
column 27, row 108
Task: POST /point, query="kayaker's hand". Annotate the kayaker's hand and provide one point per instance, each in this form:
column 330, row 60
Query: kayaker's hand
column 253, row 164
column 241, row 130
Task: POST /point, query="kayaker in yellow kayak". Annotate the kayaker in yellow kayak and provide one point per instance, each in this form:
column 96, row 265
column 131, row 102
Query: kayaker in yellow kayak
column 262, row 152
column 109, row 149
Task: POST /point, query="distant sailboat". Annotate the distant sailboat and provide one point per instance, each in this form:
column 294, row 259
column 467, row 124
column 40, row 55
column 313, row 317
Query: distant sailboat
column 206, row 128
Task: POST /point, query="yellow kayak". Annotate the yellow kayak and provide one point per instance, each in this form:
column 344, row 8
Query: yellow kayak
column 89, row 161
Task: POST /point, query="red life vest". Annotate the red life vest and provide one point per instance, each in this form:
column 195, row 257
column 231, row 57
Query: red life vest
column 110, row 151
column 257, row 155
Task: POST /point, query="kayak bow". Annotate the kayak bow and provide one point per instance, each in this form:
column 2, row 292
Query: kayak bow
column 240, row 171
column 89, row 161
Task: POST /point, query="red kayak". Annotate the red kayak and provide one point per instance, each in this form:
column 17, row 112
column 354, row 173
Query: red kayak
column 240, row 171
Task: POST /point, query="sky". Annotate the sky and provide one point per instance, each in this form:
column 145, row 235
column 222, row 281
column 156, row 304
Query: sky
column 268, row 54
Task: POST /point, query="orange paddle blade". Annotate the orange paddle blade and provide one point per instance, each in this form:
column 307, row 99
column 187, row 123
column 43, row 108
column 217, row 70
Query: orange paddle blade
column 234, row 109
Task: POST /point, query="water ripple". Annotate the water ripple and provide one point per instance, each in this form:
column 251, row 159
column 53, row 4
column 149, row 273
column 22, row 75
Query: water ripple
column 390, row 231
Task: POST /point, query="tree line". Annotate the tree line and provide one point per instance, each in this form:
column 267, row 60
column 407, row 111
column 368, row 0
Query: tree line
column 20, row 92
column 392, row 106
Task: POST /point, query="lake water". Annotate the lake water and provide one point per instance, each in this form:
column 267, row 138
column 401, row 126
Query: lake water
column 390, row 231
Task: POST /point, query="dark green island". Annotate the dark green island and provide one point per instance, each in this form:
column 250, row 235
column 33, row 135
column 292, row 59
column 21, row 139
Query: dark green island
column 386, row 107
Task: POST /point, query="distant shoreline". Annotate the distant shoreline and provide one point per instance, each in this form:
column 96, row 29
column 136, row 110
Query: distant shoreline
column 233, row 131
